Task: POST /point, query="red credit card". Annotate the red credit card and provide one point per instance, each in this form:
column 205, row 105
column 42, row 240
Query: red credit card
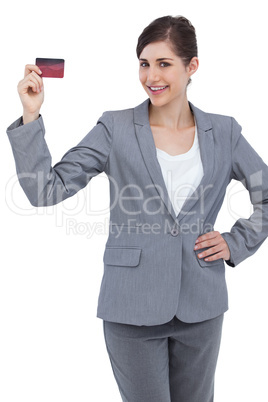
column 51, row 67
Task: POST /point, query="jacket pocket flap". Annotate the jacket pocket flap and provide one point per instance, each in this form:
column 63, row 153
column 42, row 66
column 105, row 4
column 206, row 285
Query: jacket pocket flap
column 122, row 256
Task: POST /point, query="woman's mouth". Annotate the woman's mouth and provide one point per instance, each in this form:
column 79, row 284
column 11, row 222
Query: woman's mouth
column 158, row 90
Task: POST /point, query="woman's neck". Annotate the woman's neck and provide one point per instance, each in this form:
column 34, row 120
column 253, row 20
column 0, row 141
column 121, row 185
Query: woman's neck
column 175, row 115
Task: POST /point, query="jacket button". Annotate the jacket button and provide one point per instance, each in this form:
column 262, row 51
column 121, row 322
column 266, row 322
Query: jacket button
column 174, row 232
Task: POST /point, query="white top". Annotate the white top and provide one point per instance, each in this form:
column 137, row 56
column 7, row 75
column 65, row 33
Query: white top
column 182, row 173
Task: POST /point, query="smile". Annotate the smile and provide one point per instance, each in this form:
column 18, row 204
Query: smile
column 158, row 90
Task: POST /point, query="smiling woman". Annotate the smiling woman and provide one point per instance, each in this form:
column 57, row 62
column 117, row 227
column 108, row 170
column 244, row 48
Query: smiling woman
column 166, row 75
column 167, row 53
column 178, row 32
column 163, row 293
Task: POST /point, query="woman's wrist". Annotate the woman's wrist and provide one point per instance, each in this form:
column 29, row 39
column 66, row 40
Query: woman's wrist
column 29, row 117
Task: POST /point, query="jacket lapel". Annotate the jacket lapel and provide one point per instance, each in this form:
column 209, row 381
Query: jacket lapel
column 147, row 146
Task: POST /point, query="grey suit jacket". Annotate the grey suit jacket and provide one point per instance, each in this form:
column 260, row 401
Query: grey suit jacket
column 151, row 271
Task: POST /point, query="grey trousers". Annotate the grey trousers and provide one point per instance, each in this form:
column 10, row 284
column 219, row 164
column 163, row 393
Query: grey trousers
column 172, row 362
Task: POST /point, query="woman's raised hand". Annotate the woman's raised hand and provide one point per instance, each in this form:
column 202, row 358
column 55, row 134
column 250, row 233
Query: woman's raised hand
column 31, row 92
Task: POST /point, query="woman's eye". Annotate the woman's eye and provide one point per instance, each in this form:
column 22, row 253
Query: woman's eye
column 144, row 64
column 163, row 64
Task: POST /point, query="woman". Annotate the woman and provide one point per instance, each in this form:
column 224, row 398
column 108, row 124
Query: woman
column 163, row 295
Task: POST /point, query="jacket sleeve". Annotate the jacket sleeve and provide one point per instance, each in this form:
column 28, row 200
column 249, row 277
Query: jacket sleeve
column 45, row 185
column 247, row 235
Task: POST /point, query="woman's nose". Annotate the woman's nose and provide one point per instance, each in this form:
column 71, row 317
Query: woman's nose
column 152, row 75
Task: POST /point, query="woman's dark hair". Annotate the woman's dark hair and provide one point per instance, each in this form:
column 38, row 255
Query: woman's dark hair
column 178, row 31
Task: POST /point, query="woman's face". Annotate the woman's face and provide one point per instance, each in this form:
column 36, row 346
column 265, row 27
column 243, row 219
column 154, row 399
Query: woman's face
column 163, row 74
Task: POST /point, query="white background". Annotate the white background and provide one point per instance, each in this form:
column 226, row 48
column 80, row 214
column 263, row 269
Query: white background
column 51, row 343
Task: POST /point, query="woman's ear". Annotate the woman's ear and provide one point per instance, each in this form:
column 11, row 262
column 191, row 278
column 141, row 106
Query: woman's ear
column 193, row 66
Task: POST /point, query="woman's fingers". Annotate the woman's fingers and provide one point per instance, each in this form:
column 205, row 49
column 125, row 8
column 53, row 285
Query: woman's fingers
column 217, row 245
column 207, row 239
column 32, row 80
column 31, row 67
column 32, row 75
column 34, row 85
